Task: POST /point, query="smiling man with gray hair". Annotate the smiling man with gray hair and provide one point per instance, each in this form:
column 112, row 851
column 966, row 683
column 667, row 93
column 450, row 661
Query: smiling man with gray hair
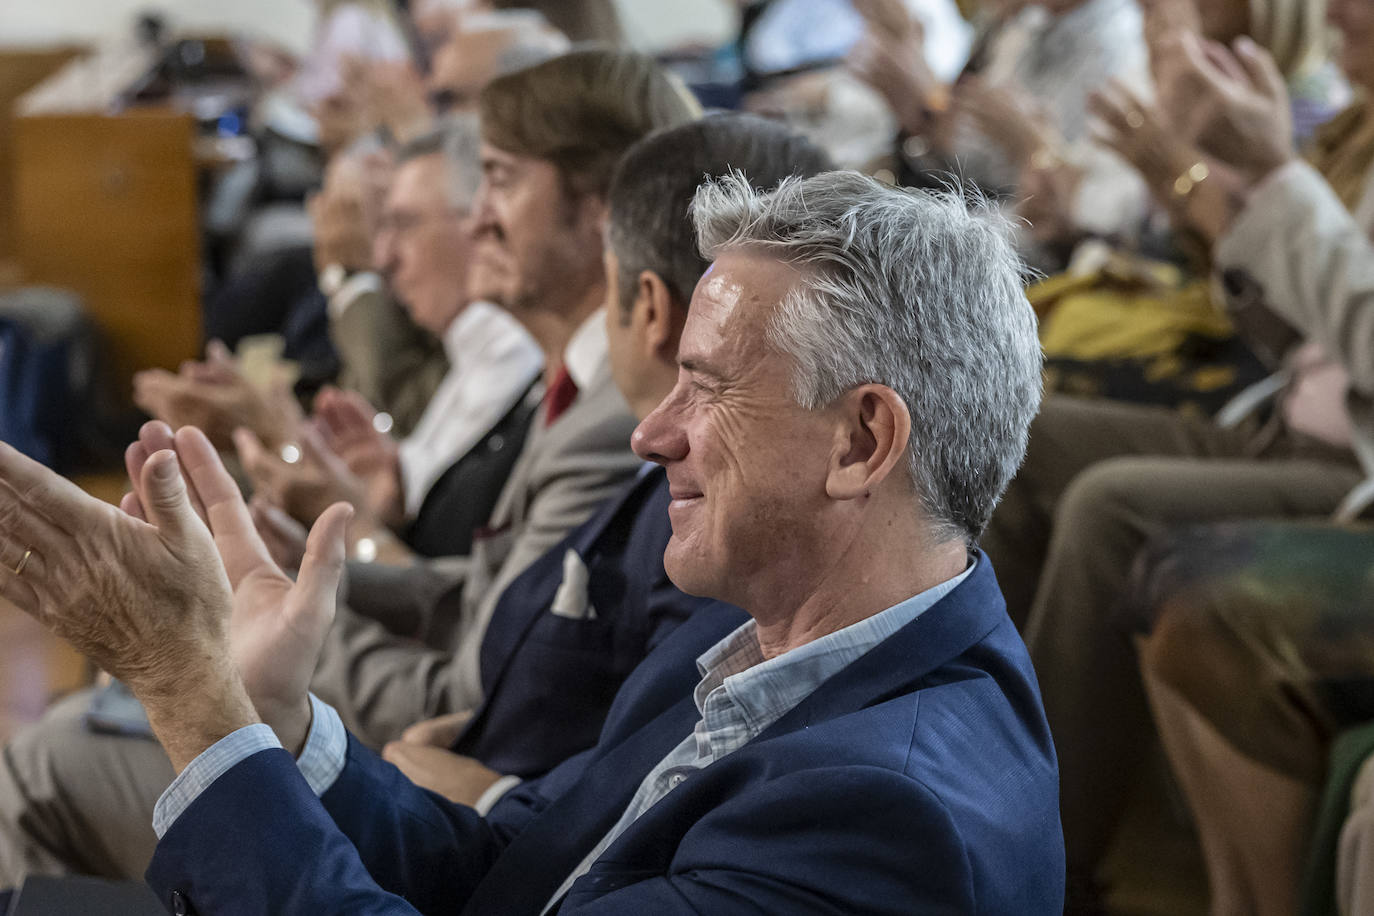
column 857, row 374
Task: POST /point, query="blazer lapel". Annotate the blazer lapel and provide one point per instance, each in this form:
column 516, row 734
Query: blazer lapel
column 945, row 631
column 519, row 609
column 542, row 856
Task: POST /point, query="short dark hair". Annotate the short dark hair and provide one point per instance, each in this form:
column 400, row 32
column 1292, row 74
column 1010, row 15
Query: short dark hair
column 655, row 182
column 582, row 111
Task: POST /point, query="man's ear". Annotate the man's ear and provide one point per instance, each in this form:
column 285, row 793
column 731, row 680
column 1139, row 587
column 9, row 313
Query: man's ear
column 871, row 440
column 661, row 320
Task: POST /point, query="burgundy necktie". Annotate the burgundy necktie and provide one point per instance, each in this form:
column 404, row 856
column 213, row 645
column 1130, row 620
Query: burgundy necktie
column 562, row 392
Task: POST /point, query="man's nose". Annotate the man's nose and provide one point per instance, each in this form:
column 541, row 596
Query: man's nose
column 384, row 251
column 661, row 437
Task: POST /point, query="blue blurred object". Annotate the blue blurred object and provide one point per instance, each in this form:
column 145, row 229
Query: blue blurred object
column 46, row 360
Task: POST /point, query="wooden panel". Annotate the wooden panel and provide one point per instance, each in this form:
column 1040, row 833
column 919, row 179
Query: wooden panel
column 105, row 205
column 20, row 70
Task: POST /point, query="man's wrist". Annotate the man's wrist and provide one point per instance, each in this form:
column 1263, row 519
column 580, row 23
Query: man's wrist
column 190, row 717
column 289, row 719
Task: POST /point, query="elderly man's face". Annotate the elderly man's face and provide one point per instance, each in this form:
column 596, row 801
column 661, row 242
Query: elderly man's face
column 746, row 464
column 424, row 243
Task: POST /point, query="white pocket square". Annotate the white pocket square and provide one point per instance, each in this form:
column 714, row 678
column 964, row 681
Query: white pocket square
column 571, row 600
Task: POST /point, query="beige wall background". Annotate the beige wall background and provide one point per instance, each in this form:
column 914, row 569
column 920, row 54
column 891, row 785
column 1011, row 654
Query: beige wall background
column 650, row 23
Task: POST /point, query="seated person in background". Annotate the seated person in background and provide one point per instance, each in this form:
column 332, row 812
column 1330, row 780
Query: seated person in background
column 1260, row 654
column 529, row 718
column 394, row 365
column 385, row 358
column 1102, row 478
column 549, row 224
column 832, row 449
column 1022, row 96
column 475, row 423
column 1146, row 323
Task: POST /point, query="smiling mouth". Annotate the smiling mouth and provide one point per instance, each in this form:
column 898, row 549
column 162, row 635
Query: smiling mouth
column 682, row 499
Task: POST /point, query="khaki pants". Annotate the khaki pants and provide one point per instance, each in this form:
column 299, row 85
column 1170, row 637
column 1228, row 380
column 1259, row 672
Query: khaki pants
column 1100, row 479
column 74, row 801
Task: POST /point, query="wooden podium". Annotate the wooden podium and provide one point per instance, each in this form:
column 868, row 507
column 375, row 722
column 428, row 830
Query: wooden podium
column 105, row 204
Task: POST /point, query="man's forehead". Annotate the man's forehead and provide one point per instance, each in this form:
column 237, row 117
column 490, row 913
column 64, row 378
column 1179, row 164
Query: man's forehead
column 732, row 303
column 417, row 181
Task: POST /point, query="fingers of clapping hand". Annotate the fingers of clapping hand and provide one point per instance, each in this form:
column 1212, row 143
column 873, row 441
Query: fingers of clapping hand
column 1120, row 112
column 322, row 566
column 267, row 471
column 154, row 436
column 1263, row 73
column 166, row 499
column 284, row 537
column 235, row 535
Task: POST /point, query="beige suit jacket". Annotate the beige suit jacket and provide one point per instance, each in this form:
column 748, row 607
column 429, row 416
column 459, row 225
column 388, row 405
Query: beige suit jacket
column 1314, row 264
column 386, row 357
column 406, row 645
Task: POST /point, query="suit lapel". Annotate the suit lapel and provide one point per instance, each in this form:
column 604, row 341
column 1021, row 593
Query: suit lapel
column 944, row 632
column 519, row 610
column 543, row 855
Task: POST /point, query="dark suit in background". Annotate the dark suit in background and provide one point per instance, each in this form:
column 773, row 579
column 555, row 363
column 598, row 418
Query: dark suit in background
column 557, row 649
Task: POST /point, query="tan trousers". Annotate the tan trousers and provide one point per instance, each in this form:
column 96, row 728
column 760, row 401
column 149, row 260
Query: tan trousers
column 74, row 801
column 1101, row 478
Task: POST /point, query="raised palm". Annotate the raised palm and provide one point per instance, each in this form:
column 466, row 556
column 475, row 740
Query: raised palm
column 277, row 627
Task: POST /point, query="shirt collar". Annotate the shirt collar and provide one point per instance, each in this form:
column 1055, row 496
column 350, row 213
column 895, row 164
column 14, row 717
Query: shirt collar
column 586, row 351
column 463, row 337
column 764, row 690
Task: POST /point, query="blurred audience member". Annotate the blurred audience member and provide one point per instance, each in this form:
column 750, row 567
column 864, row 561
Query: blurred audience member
column 1260, row 656
column 1101, row 478
column 1022, row 100
column 424, row 250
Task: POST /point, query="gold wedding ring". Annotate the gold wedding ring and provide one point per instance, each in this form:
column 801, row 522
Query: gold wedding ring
column 24, row 561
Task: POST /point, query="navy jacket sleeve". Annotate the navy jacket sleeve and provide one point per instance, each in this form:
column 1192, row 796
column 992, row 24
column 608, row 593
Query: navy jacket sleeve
column 258, row 840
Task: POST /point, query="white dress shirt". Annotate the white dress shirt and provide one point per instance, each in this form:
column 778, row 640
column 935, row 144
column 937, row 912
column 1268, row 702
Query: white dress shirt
column 586, row 351
column 492, row 361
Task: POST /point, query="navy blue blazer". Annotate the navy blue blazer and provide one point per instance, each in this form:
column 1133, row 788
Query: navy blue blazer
column 919, row 779
column 549, row 679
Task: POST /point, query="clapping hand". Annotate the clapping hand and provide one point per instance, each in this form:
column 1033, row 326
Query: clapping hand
column 1138, row 132
column 303, row 478
column 275, row 627
column 1233, row 105
column 350, row 429
column 142, row 595
column 890, row 58
column 1007, row 117
column 216, row 397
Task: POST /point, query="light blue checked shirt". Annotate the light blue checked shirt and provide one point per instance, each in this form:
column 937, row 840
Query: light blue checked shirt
column 741, row 694
column 320, row 762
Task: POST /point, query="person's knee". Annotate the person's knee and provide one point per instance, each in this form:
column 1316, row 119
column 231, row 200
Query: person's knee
column 1099, row 503
column 1183, row 644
